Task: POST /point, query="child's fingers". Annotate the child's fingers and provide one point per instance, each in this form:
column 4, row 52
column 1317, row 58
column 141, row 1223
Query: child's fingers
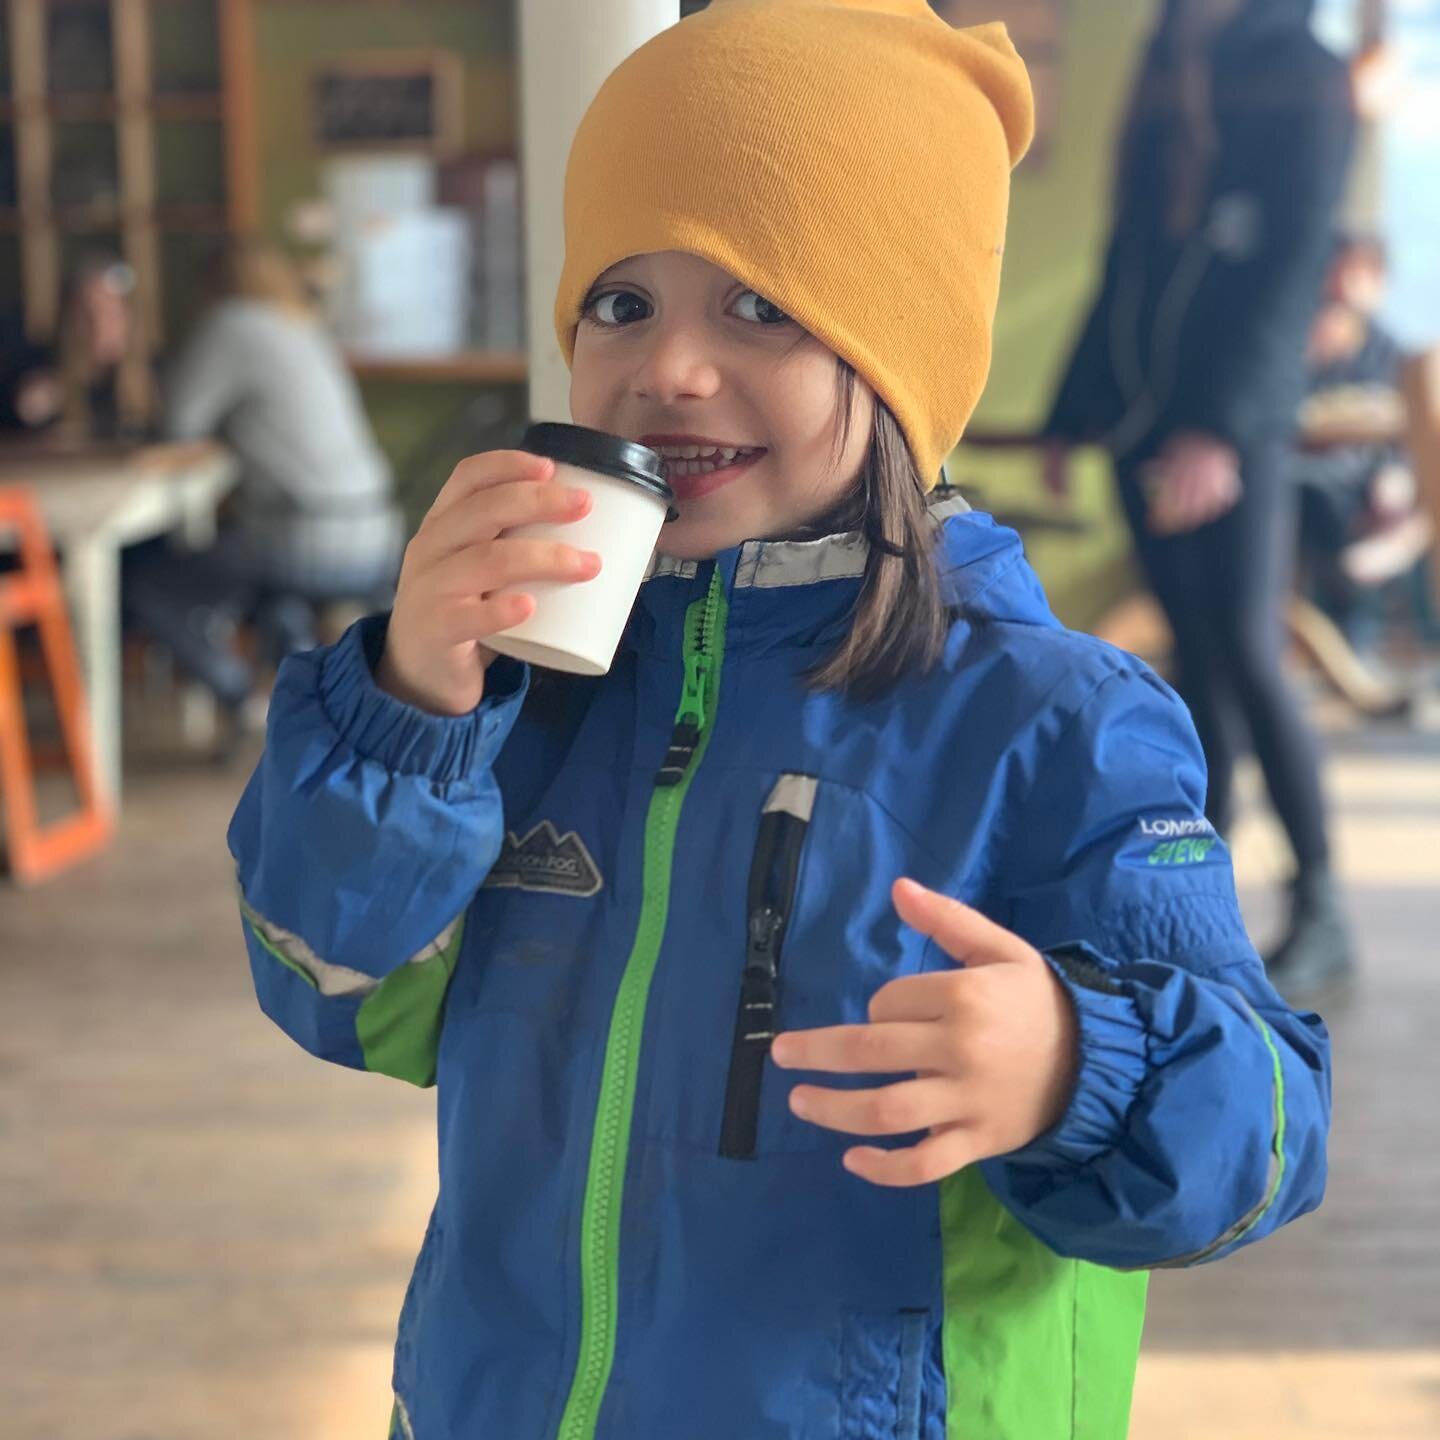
column 503, row 507
column 514, row 562
column 862, row 1049
column 471, row 618
column 491, row 467
column 932, row 1159
column 898, row 1109
column 484, row 569
column 961, row 931
column 915, row 997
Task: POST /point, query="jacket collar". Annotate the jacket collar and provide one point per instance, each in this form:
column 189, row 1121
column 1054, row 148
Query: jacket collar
column 781, row 593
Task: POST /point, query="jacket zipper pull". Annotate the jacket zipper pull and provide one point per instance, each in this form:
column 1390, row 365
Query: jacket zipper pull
column 754, row 1030
column 771, row 902
column 685, row 738
column 697, row 677
column 757, row 985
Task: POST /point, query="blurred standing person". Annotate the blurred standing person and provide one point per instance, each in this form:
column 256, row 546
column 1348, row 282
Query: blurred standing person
column 313, row 517
column 1190, row 369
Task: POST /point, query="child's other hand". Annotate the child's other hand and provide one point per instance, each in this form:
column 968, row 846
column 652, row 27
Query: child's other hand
column 447, row 603
column 992, row 1047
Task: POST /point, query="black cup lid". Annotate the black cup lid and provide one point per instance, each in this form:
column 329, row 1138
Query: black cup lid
column 606, row 454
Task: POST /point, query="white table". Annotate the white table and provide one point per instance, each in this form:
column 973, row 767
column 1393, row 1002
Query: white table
column 96, row 502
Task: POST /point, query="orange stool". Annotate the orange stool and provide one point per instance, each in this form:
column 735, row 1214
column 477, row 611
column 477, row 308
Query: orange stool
column 31, row 595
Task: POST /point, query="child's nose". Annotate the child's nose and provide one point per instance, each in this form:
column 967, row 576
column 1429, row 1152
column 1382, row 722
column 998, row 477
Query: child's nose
column 678, row 365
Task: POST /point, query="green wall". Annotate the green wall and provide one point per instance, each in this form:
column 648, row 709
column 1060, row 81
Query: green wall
column 1059, row 212
column 1059, row 215
column 293, row 36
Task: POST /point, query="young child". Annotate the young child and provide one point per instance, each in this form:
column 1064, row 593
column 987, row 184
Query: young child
column 837, row 1008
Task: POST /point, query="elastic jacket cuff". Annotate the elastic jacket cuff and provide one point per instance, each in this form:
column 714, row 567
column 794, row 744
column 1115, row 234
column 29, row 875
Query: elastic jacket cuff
column 402, row 738
column 1111, row 1069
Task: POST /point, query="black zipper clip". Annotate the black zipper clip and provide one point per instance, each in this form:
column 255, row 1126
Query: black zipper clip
column 770, row 901
column 754, row 1030
column 757, row 983
column 684, row 741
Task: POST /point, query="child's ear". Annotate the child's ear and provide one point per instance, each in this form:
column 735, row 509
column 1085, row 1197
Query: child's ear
column 996, row 67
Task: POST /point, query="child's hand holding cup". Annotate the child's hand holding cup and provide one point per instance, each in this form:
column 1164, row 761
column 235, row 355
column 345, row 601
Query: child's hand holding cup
column 536, row 553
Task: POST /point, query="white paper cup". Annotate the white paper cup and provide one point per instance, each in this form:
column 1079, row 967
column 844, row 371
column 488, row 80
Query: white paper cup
column 577, row 628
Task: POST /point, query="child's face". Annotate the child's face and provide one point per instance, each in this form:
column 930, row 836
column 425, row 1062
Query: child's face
column 672, row 348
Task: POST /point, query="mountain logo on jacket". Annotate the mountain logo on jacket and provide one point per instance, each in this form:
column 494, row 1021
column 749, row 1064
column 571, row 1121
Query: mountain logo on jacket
column 547, row 862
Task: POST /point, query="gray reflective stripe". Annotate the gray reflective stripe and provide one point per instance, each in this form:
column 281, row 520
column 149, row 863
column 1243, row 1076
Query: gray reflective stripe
column 403, row 1416
column 1274, row 1171
column 1251, row 1217
column 776, row 564
column 330, row 979
column 795, row 795
column 942, row 510
column 437, row 946
column 663, row 565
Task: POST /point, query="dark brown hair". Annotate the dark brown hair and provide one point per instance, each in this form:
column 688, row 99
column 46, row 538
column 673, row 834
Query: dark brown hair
column 900, row 619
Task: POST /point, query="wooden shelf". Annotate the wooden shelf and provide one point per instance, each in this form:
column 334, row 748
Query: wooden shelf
column 93, row 109
column 107, row 219
column 481, row 367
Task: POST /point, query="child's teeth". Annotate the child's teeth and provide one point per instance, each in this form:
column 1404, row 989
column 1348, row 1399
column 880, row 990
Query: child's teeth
column 687, row 460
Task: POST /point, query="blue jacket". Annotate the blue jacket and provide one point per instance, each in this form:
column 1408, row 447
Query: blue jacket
column 583, row 922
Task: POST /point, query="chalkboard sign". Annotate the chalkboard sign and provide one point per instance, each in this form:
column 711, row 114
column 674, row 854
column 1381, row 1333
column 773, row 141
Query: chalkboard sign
column 389, row 99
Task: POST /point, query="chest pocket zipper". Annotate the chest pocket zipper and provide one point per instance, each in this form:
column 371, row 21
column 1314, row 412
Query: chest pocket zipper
column 770, row 902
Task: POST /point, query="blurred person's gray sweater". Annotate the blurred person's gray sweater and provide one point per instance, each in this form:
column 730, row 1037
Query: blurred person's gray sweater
column 315, row 495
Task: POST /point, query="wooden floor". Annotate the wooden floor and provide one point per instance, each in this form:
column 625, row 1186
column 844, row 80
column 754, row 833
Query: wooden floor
column 205, row 1235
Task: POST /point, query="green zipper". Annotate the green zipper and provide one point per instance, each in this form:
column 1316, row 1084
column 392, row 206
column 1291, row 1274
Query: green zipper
column 604, row 1186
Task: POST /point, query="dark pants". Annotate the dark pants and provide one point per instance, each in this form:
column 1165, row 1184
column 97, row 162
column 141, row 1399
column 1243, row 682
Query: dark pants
column 1224, row 589
column 191, row 601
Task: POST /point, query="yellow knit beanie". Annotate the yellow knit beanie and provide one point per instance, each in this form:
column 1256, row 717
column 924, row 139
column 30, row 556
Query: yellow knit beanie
column 849, row 160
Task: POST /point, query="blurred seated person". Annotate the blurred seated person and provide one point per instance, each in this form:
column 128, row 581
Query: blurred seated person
column 1360, row 524
column 313, row 518
column 79, row 386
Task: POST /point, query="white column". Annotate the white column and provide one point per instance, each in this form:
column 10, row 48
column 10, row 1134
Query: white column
column 567, row 48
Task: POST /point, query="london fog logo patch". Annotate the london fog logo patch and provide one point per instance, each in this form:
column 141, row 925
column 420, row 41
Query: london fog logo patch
column 1171, row 829
column 1181, row 842
column 546, row 862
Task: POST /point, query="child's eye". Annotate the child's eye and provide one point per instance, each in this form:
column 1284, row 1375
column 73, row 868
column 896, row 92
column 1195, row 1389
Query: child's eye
column 765, row 313
column 615, row 307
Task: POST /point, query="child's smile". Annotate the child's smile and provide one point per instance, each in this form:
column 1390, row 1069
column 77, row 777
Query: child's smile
column 697, row 466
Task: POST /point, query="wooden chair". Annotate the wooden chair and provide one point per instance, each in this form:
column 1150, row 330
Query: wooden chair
column 30, row 595
column 1422, row 412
